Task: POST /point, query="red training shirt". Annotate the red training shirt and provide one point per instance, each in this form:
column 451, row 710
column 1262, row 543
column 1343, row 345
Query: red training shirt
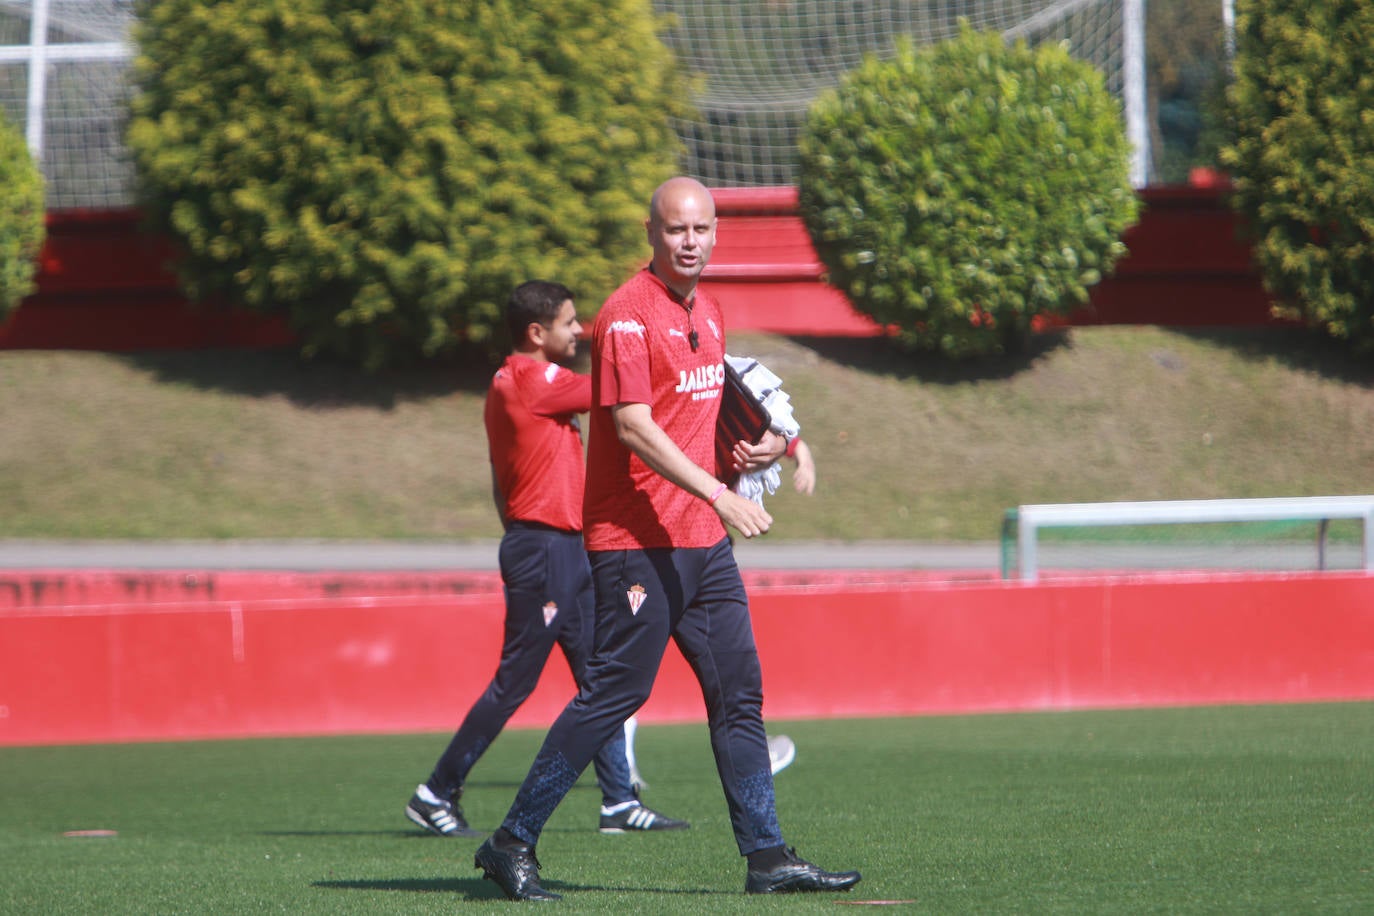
column 642, row 354
column 535, row 442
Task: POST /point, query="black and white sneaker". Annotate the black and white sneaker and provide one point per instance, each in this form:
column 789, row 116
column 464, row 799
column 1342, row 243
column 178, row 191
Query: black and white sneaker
column 632, row 817
column 437, row 815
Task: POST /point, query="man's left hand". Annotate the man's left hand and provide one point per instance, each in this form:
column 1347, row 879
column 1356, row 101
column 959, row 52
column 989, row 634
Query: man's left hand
column 749, row 458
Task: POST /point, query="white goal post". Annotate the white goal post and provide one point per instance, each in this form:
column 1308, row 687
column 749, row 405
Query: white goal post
column 37, row 54
column 64, row 67
column 1031, row 519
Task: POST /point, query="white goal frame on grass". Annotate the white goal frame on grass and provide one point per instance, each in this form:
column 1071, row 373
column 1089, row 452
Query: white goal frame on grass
column 1031, row 519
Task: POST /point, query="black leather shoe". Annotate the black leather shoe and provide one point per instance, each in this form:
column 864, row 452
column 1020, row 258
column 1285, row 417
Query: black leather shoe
column 797, row 874
column 514, row 869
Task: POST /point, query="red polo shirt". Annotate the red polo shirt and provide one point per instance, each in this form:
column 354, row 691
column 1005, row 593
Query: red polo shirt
column 535, row 442
column 642, row 354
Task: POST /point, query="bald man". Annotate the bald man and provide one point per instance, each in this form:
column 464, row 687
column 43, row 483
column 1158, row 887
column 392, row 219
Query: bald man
column 654, row 524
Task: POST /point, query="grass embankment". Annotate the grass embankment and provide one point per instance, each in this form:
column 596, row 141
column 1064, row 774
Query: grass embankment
column 258, row 445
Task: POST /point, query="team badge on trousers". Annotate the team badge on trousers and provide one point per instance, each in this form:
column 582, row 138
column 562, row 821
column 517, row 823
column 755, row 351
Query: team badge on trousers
column 636, row 595
column 550, row 612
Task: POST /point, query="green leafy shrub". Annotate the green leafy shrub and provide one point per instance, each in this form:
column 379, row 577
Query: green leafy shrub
column 22, row 229
column 385, row 173
column 958, row 192
column 1302, row 160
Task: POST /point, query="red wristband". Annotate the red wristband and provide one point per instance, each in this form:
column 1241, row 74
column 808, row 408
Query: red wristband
column 716, row 495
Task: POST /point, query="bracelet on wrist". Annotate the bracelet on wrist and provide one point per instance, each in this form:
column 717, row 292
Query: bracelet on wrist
column 716, row 495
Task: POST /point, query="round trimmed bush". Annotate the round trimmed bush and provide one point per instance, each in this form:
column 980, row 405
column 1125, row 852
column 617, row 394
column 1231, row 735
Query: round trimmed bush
column 1302, row 158
column 22, row 230
column 956, row 193
column 386, row 173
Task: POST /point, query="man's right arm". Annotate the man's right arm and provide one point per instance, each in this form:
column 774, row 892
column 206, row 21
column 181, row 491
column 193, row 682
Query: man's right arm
column 567, row 392
column 637, row 431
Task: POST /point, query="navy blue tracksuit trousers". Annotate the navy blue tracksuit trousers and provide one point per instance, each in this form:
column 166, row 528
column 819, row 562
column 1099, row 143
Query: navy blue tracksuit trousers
column 643, row 598
column 548, row 589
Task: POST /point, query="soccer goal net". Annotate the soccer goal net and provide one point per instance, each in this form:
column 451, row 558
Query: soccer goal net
column 756, row 67
column 63, row 69
column 759, row 65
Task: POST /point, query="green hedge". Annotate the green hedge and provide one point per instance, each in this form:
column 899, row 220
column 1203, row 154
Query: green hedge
column 22, row 227
column 959, row 191
column 386, row 173
column 1303, row 157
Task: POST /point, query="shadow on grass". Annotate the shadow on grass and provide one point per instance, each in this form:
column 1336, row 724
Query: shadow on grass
column 884, row 356
column 482, row 889
column 473, row 888
column 1296, row 348
column 415, row 834
column 318, row 383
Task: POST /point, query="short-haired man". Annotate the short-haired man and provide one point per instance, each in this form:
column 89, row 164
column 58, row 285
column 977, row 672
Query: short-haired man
column 663, row 566
column 537, row 480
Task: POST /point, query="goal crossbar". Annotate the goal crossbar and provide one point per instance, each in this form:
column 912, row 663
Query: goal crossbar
column 1029, row 520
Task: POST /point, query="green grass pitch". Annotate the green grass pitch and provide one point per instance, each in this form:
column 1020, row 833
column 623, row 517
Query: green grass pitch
column 1248, row 809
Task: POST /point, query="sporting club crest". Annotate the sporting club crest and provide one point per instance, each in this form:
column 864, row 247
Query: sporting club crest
column 636, row 595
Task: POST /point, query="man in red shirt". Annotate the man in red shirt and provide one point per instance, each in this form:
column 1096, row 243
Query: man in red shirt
column 537, row 480
column 663, row 567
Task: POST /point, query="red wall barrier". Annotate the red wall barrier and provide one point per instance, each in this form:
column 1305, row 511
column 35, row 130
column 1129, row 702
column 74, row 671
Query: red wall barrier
column 1187, row 265
column 106, row 284
column 214, row 668
column 61, row 588
column 58, row 588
